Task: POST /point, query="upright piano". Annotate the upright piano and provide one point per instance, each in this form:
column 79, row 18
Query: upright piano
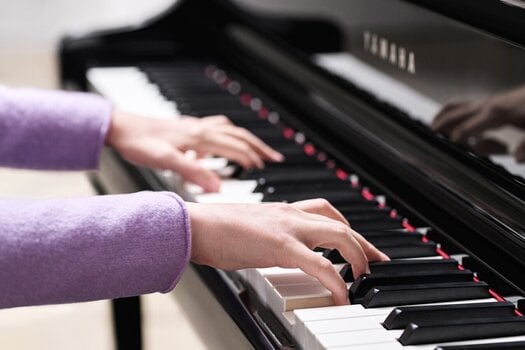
column 348, row 91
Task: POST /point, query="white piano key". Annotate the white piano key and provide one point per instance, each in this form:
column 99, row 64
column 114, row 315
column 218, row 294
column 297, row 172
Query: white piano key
column 129, row 89
column 315, row 328
column 229, row 198
column 228, row 186
column 347, row 314
column 395, row 345
column 295, row 296
column 213, row 164
column 353, row 338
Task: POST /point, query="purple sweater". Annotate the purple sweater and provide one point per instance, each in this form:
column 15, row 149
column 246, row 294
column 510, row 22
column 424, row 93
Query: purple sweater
column 79, row 249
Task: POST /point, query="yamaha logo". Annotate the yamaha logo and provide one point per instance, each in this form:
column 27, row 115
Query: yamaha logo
column 389, row 51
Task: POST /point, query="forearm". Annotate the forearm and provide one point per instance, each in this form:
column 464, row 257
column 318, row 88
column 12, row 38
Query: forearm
column 51, row 129
column 81, row 249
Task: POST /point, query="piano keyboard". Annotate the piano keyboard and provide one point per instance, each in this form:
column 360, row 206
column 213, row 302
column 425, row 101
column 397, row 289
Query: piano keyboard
column 422, row 299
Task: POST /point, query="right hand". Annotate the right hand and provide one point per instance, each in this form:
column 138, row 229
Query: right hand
column 238, row 236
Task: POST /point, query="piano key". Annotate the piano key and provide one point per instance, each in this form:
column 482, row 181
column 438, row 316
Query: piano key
column 516, row 345
column 342, row 315
column 377, row 224
column 483, row 344
column 400, row 317
column 332, row 197
column 454, row 330
column 290, row 188
column 406, row 266
column 227, row 186
column 365, row 283
column 291, row 175
column 382, row 296
column 412, row 250
column 228, row 198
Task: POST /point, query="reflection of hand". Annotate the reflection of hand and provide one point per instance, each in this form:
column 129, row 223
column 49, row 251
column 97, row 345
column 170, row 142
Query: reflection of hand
column 161, row 144
column 463, row 121
column 236, row 236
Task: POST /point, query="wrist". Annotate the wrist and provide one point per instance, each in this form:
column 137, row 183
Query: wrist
column 115, row 127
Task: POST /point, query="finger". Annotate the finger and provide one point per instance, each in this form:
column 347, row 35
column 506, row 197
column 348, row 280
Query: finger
column 519, row 153
column 320, row 206
column 264, row 151
column 217, row 120
column 372, row 253
column 448, row 119
column 191, row 171
column 336, row 235
column 471, row 127
column 236, row 150
column 320, row 268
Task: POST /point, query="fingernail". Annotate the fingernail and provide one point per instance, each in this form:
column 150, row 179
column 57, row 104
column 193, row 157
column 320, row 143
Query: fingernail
column 278, row 157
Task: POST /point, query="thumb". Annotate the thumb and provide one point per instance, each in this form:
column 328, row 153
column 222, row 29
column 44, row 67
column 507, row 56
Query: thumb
column 519, row 153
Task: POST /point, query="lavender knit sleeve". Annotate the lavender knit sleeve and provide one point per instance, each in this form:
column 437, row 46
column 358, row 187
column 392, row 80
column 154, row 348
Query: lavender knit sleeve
column 80, row 249
column 51, row 129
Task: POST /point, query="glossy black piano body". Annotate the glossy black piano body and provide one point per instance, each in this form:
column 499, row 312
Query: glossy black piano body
column 451, row 48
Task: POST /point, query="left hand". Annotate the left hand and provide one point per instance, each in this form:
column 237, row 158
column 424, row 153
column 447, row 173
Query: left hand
column 160, row 143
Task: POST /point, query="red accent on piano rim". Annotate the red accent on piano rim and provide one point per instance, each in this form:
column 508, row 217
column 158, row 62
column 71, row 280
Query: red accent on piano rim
column 263, row 113
column 245, row 99
column 341, row 174
column 442, row 253
column 288, row 133
column 407, row 225
column 309, row 149
column 496, row 295
column 367, row 194
column 321, row 156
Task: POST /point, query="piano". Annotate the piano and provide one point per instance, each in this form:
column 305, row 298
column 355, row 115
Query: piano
column 347, row 90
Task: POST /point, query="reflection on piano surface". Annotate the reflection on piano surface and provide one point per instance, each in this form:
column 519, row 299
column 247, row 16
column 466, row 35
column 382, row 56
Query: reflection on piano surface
column 348, row 98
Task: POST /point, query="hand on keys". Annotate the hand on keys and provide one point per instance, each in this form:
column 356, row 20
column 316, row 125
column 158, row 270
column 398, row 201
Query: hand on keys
column 161, row 143
column 237, row 236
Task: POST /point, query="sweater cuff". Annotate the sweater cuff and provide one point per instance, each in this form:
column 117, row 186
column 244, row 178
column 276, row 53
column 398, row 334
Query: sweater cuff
column 181, row 260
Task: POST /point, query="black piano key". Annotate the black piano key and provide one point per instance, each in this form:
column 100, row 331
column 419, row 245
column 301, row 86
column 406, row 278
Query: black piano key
column 394, row 239
column 263, row 185
column 378, row 224
column 383, row 296
column 366, row 208
column 413, row 250
column 521, row 306
column 403, row 266
column 419, row 250
column 516, row 345
column 332, row 197
column 364, row 283
column 401, row 317
column 455, row 330
column 288, row 176
column 371, row 215
column 336, row 185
